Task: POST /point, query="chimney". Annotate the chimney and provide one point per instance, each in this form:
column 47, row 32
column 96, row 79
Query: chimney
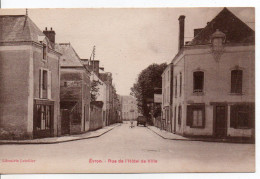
column 181, row 31
column 94, row 65
column 50, row 34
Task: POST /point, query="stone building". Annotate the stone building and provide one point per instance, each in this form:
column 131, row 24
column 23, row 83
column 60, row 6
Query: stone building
column 129, row 108
column 214, row 80
column 167, row 92
column 74, row 91
column 29, row 80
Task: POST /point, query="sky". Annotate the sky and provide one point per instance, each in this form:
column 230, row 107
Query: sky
column 127, row 40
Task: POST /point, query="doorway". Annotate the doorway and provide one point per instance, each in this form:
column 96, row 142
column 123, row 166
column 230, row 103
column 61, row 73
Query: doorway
column 220, row 129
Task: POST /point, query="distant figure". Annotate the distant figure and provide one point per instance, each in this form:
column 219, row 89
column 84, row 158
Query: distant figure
column 131, row 123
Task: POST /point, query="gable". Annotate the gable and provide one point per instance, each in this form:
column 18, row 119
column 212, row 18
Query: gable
column 235, row 30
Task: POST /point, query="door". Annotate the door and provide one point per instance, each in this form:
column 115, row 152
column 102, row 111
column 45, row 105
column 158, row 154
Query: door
column 65, row 121
column 221, row 121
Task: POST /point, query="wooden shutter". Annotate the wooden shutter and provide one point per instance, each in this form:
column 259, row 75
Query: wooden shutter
column 49, row 85
column 252, row 116
column 203, row 116
column 233, row 116
column 40, row 83
column 189, row 116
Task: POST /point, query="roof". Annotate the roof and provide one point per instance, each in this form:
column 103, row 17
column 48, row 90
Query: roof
column 19, row 28
column 235, row 30
column 69, row 56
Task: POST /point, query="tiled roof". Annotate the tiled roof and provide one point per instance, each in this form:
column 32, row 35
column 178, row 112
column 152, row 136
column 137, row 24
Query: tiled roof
column 69, row 56
column 18, row 28
column 235, row 30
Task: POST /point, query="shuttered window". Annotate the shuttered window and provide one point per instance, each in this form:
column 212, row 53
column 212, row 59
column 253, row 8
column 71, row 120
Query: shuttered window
column 180, row 83
column 242, row 116
column 45, row 83
column 179, row 115
column 175, row 87
column 44, row 52
column 236, row 81
column 196, row 116
column 198, row 81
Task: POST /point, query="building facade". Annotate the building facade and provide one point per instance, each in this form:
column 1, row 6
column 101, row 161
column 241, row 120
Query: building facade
column 213, row 80
column 74, row 91
column 129, row 108
column 29, row 80
column 167, row 97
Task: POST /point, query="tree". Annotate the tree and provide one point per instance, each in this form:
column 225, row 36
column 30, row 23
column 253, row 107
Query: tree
column 94, row 92
column 143, row 89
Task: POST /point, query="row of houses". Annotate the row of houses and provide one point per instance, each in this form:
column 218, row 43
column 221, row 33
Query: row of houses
column 208, row 89
column 46, row 89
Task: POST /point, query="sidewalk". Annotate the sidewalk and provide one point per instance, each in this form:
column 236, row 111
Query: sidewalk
column 170, row 136
column 54, row 140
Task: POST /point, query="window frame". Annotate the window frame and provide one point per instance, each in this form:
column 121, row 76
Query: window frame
column 234, row 115
column 195, row 83
column 189, row 119
column 179, row 114
column 44, row 51
column 234, row 89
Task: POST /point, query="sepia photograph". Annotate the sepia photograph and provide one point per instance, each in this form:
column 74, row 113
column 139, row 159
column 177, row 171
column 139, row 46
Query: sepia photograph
column 127, row 90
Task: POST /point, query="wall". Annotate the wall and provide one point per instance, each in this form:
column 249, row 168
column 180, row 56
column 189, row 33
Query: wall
column 71, row 90
column 14, row 91
column 95, row 117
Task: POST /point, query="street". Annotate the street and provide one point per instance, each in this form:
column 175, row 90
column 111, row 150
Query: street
column 137, row 149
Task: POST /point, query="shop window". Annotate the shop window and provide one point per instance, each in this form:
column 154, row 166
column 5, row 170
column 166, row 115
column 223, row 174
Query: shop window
column 196, row 116
column 198, row 81
column 236, row 81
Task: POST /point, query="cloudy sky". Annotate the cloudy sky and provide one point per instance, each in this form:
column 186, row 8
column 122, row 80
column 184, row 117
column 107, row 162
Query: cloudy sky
column 127, row 40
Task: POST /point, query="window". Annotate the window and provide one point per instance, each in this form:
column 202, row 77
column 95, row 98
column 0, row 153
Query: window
column 44, row 52
column 44, row 79
column 196, row 116
column 241, row 116
column 45, row 84
column 175, row 115
column 175, row 87
column 180, row 83
column 179, row 115
column 198, row 81
column 236, row 81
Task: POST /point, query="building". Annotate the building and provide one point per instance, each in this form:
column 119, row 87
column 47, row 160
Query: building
column 213, row 80
column 129, row 108
column 167, row 92
column 107, row 79
column 74, row 91
column 29, row 80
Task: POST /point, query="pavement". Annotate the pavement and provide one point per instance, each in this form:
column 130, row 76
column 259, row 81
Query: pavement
column 127, row 150
column 53, row 140
column 170, row 136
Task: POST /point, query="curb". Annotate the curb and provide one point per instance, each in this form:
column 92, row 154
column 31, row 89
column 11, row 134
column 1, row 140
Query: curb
column 56, row 142
column 204, row 140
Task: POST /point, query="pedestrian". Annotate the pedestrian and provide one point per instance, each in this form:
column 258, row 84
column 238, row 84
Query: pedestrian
column 131, row 123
